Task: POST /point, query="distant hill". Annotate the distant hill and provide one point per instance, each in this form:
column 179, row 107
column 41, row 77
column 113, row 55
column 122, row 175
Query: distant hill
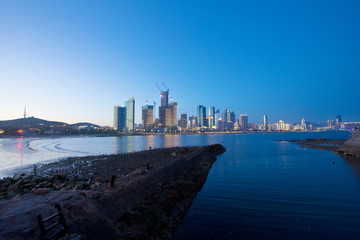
column 32, row 122
column 84, row 124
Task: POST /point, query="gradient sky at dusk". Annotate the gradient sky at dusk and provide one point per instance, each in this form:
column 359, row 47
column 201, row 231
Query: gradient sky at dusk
column 73, row 60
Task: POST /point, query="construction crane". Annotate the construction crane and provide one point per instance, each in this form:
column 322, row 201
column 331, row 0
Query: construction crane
column 158, row 87
column 167, row 89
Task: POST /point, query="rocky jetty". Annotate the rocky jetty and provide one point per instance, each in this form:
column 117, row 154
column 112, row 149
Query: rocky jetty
column 352, row 146
column 319, row 143
column 141, row 195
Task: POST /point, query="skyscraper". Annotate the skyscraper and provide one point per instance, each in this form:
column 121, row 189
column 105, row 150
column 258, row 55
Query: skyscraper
column 201, row 116
column 338, row 121
column 167, row 112
column 164, row 95
column 147, row 117
column 225, row 120
column 183, row 121
column 119, row 118
column 193, row 123
column 265, row 122
column 130, row 113
column 173, row 115
column 216, row 120
column 304, row 124
column 212, row 114
column 243, row 122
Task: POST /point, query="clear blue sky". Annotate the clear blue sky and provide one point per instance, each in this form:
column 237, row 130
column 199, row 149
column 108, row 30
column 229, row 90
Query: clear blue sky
column 73, row 60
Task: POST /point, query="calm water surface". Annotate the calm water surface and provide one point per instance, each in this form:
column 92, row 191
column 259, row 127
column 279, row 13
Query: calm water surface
column 259, row 189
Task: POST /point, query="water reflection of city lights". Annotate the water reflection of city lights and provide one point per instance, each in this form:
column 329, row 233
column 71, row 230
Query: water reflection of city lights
column 19, row 143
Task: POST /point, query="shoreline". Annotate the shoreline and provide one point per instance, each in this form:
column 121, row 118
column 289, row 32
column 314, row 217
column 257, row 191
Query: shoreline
column 344, row 147
column 153, row 190
column 163, row 134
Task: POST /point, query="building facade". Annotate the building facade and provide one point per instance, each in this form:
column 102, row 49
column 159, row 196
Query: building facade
column 243, row 122
column 201, row 116
column 147, row 117
column 265, row 122
column 119, row 118
column 183, row 122
column 130, row 114
column 173, row 115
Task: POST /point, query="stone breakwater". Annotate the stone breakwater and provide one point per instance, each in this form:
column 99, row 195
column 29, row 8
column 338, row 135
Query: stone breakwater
column 151, row 194
column 352, row 146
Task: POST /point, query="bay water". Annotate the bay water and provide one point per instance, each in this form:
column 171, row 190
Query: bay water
column 259, row 188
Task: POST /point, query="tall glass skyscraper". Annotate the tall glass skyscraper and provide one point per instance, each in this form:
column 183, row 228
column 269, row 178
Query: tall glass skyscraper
column 201, row 116
column 217, row 116
column 243, row 122
column 265, row 122
column 119, row 118
column 130, row 113
column 212, row 114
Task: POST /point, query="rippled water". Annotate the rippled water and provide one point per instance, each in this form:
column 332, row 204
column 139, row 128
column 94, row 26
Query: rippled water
column 259, row 189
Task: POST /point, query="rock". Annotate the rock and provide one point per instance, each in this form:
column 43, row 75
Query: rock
column 99, row 180
column 41, row 191
column 60, row 186
column 139, row 171
column 82, row 186
column 13, row 193
column 83, row 194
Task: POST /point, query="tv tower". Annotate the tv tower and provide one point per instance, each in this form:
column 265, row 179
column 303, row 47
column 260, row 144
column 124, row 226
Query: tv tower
column 25, row 112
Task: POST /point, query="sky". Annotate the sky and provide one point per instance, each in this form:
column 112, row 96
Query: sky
column 72, row 61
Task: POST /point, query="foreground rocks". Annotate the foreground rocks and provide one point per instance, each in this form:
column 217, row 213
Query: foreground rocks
column 320, row 143
column 352, row 146
column 151, row 194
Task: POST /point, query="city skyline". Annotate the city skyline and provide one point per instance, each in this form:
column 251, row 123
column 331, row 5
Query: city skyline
column 73, row 61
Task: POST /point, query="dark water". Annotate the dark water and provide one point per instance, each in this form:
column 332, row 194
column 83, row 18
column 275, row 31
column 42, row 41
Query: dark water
column 259, row 189
column 264, row 189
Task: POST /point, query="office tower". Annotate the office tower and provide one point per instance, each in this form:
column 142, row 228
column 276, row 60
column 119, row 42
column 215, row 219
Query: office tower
column 164, row 95
column 201, row 116
column 216, row 120
column 183, row 121
column 224, row 120
column 167, row 112
column 119, row 118
column 212, row 114
column 338, row 121
column 192, row 123
column 330, row 123
column 232, row 117
column 130, row 113
column 164, row 117
column 265, row 122
column 173, row 115
column 147, row 117
column 243, row 122
column 210, row 121
column 303, row 124
column 228, row 116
